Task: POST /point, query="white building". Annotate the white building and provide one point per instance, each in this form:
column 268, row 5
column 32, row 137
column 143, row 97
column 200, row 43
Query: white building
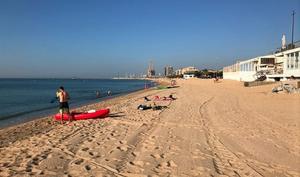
column 287, row 65
column 185, row 70
column 247, row 70
column 279, row 66
column 178, row 72
column 188, row 76
column 189, row 69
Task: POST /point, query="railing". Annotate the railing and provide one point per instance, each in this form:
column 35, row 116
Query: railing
column 270, row 72
column 288, row 47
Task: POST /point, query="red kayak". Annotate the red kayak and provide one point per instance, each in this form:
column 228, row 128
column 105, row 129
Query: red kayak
column 83, row 115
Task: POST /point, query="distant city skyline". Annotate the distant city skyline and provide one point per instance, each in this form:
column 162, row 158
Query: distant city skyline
column 99, row 39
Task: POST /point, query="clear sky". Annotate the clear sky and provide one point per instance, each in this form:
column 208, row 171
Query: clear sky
column 96, row 39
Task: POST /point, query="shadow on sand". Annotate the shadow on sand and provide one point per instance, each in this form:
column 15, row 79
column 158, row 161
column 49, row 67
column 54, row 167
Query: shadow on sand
column 118, row 114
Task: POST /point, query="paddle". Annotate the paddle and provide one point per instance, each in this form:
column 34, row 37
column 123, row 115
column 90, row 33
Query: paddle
column 54, row 99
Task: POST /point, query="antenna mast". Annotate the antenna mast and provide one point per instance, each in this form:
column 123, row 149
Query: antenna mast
column 293, row 14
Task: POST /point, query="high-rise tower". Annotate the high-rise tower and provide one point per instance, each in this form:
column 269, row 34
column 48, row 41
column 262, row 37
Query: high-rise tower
column 151, row 71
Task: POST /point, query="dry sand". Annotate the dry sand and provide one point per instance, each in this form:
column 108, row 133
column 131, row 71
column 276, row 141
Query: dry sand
column 211, row 129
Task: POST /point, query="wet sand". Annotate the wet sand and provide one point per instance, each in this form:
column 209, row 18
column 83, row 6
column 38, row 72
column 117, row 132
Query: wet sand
column 211, row 129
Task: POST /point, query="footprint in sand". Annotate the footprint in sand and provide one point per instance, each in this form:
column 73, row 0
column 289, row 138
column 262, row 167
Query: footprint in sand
column 137, row 163
column 171, row 164
column 78, row 161
column 87, row 167
column 85, row 149
column 162, row 168
column 113, row 134
column 157, row 147
column 123, row 142
column 135, row 153
column 110, row 138
column 91, row 153
column 158, row 156
column 167, row 165
column 122, row 148
column 28, row 169
column 35, row 161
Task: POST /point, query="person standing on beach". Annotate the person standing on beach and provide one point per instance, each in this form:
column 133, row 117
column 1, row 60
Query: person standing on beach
column 63, row 98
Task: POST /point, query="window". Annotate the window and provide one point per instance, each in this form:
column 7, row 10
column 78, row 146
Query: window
column 292, row 61
column 267, row 60
column 297, row 60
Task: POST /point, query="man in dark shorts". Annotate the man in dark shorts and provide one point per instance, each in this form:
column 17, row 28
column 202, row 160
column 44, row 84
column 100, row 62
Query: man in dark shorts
column 63, row 98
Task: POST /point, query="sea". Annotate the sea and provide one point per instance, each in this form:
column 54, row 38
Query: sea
column 22, row 100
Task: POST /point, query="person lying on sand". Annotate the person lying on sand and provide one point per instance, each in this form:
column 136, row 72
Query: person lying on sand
column 146, row 99
column 164, row 98
column 171, row 97
column 154, row 107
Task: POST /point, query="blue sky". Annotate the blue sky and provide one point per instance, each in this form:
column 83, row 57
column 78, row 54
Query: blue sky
column 96, row 39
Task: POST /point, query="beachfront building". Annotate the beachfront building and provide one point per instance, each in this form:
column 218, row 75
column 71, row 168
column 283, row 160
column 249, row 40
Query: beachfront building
column 182, row 71
column 178, row 72
column 168, row 71
column 190, row 69
column 287, row 65
column 274, row 67
column 188, row 76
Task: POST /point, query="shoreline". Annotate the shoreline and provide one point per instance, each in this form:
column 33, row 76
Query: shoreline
column 25, row 116
column 22, row 130
column 47, row 122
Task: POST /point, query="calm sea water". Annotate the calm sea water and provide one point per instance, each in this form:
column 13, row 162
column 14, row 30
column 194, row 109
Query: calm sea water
column 23, row 99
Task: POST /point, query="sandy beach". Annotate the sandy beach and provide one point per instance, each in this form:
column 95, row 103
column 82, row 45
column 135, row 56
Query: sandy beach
column 211, row 129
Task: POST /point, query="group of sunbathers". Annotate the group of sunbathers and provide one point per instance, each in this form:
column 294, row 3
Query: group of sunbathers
column 157, row 98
